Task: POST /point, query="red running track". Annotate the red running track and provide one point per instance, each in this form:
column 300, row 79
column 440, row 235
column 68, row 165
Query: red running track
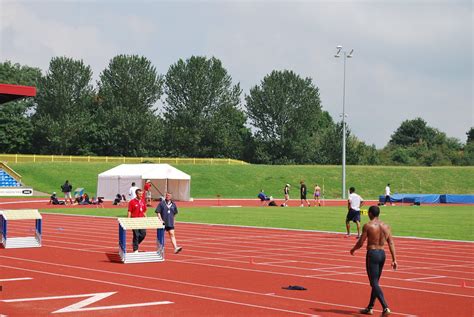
column 225, row 271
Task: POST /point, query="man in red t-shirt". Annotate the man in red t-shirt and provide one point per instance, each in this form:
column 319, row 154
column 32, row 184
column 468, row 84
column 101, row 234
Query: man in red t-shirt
column 137, row 209
column 147, row 190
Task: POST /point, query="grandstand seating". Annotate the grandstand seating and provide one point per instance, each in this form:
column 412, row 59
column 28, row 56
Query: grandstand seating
column 8, row 181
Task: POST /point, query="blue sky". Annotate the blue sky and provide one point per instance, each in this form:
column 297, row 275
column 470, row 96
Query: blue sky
column 412, row 58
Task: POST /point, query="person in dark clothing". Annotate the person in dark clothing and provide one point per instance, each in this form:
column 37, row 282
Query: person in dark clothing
column 85, row 200
column 303, row 192
column 376, row 233
column 166, row 211
column 66, row 188
column 53, row 200
column 118, row 199
column 264, row 199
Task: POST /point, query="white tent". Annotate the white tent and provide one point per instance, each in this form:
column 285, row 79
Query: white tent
column 164, row 178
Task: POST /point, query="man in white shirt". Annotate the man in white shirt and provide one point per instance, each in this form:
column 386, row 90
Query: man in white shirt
column 387, row 195
column 353, row 204
column 132, row 192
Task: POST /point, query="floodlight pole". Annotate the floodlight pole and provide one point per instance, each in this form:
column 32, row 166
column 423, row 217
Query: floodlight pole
column 346, row 55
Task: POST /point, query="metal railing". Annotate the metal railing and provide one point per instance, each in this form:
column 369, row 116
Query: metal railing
column 35, row 158
column 11, row 172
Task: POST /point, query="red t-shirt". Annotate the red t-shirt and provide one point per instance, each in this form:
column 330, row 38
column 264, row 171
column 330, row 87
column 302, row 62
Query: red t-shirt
column 137, row 208
column 147, row 187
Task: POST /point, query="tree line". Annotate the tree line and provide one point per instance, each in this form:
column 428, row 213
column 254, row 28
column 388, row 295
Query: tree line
column 196, row 110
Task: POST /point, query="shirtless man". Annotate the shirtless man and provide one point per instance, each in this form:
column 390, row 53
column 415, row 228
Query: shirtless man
column 376, row 233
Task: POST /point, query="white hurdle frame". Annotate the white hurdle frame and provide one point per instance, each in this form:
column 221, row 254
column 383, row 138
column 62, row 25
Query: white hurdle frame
column 20, row 242
column 141, row 223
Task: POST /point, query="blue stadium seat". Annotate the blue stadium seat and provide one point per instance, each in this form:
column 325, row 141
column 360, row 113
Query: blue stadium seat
column 6, row 180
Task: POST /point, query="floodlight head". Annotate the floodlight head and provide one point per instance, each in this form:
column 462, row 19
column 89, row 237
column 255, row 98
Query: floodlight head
column 337, row 55
column 339, row 47
column 350, row 53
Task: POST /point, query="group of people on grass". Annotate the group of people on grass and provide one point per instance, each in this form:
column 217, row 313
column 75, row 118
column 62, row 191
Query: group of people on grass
column 269, row 201
column 79, row 198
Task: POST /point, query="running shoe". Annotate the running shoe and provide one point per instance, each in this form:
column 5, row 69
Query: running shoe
column 177, row 250
column 386, row 312
column 366, row 311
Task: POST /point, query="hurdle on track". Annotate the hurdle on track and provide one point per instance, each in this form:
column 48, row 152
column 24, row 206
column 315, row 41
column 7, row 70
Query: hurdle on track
column 141, row 223
column 20, row 242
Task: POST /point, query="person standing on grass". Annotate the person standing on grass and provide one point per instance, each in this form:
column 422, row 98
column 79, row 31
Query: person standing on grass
column 353, row 204
column 166, row 211
column 286, row 192
column 66, row 188
column 137, row 209
column 376, row 233
column 387, row 195
column 132, row 191
column 317, row 195
column 303, row 192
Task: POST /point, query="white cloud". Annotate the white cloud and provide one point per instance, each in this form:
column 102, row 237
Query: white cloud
column 412, row 58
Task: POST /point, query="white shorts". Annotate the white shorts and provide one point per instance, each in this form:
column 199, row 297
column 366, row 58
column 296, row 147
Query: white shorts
column 68, row 195
column 148, row 194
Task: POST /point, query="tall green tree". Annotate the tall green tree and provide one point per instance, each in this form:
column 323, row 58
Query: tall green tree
column 469, row 148
column 202, row 110
column 129, row 89
column 415, row 131
column 63, row 110
column 16, row 128
column 286, row 112
column 470, row 135
column 416, row 143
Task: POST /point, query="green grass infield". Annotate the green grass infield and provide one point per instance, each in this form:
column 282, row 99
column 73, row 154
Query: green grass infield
column 437, row 222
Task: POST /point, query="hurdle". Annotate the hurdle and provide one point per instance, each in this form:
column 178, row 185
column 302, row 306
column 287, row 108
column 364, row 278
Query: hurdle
column 20, row 242
column 141, row 223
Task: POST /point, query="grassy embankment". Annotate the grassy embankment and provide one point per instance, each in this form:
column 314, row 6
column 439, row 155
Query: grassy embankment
column 245, row 181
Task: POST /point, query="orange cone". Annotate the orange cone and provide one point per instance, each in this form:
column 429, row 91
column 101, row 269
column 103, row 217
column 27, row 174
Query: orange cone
column 463, row 284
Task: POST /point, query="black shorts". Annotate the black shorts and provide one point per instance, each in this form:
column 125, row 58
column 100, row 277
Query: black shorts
column 303, row 196
column 353, row 215
column 169, row 228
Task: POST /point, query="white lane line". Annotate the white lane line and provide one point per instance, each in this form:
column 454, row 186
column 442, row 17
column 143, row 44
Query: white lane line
column 196, row 296
column 425, row 278
column 82, row 305
column 15, row 279
column 239, row 269
column 162, row 291
column 275, row 262
column 332, row 268
column 272, row 228
column 23, row 202
column 301, row 268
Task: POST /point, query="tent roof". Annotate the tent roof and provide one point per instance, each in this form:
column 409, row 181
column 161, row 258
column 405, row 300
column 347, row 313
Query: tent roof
column 147, row 171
